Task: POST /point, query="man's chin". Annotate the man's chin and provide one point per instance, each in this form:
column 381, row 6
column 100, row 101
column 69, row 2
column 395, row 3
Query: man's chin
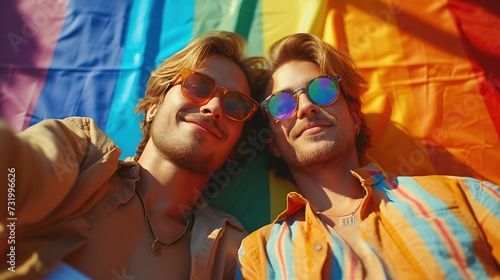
column 200, row 165
column 320, row 155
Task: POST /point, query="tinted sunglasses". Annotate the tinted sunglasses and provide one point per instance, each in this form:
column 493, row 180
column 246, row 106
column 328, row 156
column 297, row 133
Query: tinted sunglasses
column 199, row 89
column 322, row 91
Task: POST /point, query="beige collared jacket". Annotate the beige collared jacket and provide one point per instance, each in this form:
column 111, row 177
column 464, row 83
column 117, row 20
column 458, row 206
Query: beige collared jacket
column 66, row 177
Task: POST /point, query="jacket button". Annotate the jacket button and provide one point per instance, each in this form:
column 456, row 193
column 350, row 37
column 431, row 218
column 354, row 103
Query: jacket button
column 317, row 247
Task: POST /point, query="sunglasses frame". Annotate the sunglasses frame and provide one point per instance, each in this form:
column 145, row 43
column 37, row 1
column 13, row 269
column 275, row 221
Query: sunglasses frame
column 265, row 104
column 185, row 73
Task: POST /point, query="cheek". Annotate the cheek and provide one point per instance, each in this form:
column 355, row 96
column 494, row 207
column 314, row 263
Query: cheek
column 339, row 109
column 281, row 127
column 175, row 100
column 278, row 127
column 235, row 131
column 279, row 131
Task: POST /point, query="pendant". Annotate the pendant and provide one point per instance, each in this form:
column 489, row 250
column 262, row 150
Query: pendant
column 347, row 221
column 156, row 248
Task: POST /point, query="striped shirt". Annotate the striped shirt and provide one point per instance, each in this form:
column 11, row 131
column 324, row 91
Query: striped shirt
column 428, row 227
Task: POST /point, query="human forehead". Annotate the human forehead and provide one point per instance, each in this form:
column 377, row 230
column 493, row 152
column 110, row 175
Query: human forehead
column 294, row 74
column 225, row 72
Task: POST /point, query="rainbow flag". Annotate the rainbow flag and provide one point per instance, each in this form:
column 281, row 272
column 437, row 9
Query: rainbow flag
column 433, row 68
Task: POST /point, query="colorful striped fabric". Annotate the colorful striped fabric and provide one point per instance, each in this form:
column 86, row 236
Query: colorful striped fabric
column 429, row 227
column 433, row 68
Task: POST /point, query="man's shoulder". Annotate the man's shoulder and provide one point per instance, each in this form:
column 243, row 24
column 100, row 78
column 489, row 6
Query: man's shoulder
column 258, row 236
column 294, row 215
column 373, row 174
column 215, row 217
column 78, row 121
column 79, row 127
column 438, row 180
column 87, row 125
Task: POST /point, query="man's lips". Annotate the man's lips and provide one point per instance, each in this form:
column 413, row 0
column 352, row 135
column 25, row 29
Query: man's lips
column 208, row 125
column 309, row 126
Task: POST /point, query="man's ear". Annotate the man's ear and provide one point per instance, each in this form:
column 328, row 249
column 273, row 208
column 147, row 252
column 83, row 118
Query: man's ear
column 153, row 108
column 356, row 120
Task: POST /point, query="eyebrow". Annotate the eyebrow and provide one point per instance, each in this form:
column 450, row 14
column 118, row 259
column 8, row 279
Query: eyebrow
column 290, row 89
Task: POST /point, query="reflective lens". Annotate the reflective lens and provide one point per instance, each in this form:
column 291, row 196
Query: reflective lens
column 199, row 89
column 282, row 105
column 321, row 91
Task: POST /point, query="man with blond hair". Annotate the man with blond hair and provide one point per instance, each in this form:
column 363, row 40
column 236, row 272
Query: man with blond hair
column 83, row 213
column 353, row 222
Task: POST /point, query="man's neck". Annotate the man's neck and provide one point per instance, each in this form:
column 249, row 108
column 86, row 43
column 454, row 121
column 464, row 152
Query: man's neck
column 329, row 187
column 169, row 190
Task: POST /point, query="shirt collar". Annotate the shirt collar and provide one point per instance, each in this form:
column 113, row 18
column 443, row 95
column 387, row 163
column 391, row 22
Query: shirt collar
column 128, row 171
column 368, row 176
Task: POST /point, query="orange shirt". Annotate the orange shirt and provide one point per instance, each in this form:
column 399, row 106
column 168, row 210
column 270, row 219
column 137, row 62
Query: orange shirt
column 429, row 227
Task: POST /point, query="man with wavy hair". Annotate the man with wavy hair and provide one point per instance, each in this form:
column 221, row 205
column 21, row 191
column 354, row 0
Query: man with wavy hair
column 353, row 222
column 82, row 212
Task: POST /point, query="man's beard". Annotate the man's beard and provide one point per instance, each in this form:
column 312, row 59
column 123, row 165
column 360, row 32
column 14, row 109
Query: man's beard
column 333, row 152
column 185, row 155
